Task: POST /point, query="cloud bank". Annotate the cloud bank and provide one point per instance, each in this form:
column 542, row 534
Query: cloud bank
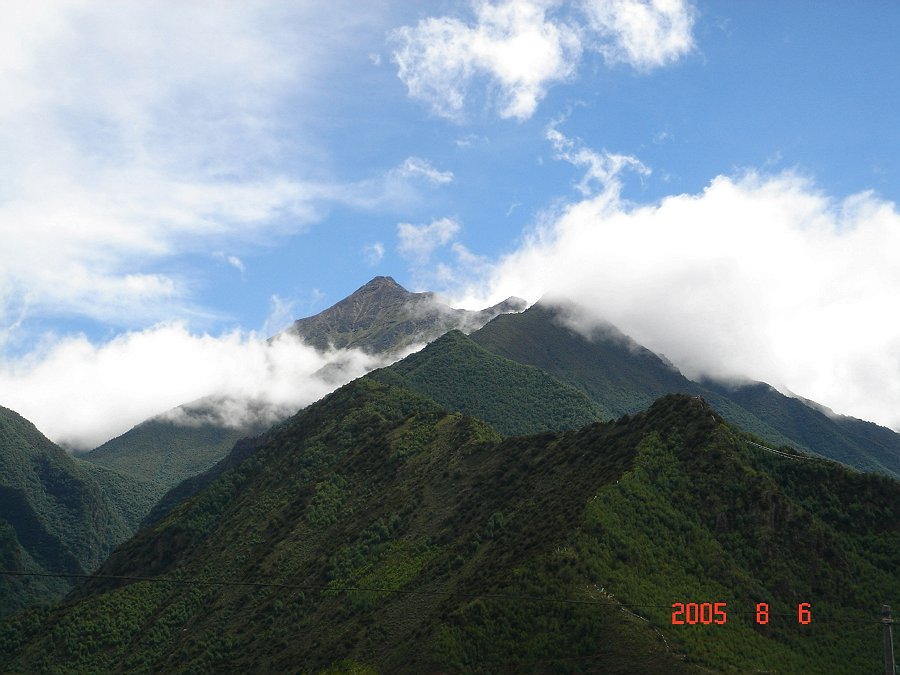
column 758, row 276
column 522, row 47
column 143, row 373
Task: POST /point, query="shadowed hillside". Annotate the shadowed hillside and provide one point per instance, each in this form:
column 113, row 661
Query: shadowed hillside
column 56, row 514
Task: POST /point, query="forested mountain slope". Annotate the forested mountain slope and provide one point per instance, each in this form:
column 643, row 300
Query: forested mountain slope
column 163, row 452
column 862, row 445
column 514, row 398
column 56, row 514
column 406, row 539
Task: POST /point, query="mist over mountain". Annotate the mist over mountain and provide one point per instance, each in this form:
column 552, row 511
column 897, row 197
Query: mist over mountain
column 523, row 372
column 240, row 446
column 167, row 449
column 368, row 329
column 622, row 377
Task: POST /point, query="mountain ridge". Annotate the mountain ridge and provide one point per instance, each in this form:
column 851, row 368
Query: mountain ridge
column 514, row 398
column 381, row 315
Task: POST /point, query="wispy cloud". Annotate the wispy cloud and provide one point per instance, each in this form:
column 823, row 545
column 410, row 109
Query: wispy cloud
column 418, row 242
column 374, row 253
column 281, row 315
column 416, row 166
column 131, row 135
column 232, row 260
column 602, row 169
column 525, row 46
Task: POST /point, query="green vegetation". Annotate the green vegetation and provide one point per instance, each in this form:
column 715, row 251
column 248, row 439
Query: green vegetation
column 728, row 525
column 408, row 539
column 408, row 523
column 617, row 374
column 161, row 453
column 56, row 514
column 514, row 398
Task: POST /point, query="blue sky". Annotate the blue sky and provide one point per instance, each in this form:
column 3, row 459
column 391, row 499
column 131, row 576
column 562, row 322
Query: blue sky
column 182, row 179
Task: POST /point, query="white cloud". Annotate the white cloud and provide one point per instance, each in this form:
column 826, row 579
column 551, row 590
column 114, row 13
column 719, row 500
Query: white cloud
column 236, row 263
column 515, row 43
column 466, row 265
column 281, row 315
column 469, row 140
column 374, row 253
column 128, row 135
column 645, row 34
column 140, row 374
column 601, row 168
column 232, row 260
column 758, row 276
column 524, row 46
column 416, row 166
column 418, row 242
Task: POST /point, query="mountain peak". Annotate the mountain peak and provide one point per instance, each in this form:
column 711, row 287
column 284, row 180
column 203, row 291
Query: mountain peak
column 383, row 317
column 386, row 289
column 382, row 282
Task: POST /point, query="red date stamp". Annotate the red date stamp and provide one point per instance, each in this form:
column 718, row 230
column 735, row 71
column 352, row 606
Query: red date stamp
column 707, row 613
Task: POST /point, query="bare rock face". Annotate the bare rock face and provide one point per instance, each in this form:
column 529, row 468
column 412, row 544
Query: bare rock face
column 383, row 317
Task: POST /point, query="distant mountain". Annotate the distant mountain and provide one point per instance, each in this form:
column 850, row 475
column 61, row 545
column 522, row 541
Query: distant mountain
column 571, row 380
column 622, row 377
column 56, row 514
column 514, row 398
column 169, row 448
column 383, row 317
column 408, row 540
